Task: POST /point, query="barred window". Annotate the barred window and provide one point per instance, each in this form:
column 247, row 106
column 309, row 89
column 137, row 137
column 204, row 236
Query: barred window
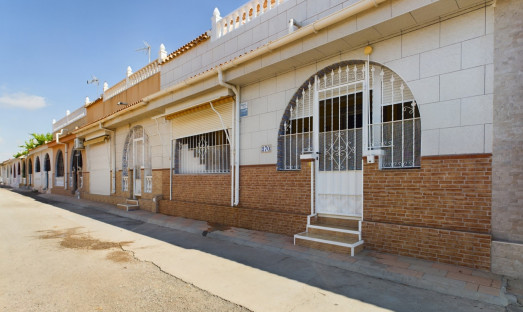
column 400, row 134
column 203, row 153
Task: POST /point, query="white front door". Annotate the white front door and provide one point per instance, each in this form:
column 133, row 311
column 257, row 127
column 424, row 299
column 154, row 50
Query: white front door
column 339, row 175
column 138, row 159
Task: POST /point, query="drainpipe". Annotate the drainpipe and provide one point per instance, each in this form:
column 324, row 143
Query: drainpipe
column 235, row 176
column 113, row 155
column 66, row 157
column 171, row 161
column 230, row 144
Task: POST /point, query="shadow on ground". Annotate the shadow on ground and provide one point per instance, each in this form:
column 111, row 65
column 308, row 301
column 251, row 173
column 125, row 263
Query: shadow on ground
column 382, row 293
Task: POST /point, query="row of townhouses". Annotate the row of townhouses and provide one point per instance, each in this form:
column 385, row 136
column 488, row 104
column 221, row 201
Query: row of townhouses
column 392, row 125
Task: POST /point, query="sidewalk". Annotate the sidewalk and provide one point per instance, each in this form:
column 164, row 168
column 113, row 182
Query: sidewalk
column 443, row 278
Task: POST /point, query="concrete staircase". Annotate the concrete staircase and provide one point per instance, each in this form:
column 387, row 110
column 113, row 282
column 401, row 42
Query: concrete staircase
column 130, row 204
column 332, row 233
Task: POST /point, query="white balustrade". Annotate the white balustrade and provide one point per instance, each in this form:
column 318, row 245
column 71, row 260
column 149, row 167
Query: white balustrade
column 69, row 118
column 241, row 16
column 133, row 79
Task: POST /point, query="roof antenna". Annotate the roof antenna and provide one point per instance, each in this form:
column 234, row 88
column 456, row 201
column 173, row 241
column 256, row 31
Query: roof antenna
column 93, row 81
column 147, row 49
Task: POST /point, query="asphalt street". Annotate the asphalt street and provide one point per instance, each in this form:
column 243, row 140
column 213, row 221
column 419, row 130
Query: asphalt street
column 237, row 276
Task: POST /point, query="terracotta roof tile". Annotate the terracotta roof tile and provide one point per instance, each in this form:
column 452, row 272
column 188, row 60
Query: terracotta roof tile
column 202, row 38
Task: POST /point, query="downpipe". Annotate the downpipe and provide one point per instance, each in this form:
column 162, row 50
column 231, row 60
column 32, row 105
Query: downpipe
column 235, row 176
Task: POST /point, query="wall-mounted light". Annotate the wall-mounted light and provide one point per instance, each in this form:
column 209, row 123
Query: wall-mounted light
column 121, row 103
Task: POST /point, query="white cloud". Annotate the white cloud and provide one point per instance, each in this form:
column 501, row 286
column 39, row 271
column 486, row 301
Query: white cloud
column 22, row 100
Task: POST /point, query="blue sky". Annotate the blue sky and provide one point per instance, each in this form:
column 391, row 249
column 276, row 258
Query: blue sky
column 49, row 49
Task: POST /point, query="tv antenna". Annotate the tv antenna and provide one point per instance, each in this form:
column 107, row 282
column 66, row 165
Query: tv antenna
column 147, row 49
column 94, row 80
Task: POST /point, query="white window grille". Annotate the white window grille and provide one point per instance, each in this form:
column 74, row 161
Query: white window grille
column 125, row 184
column 396, row 127
column 202, row 153
column 297, row 137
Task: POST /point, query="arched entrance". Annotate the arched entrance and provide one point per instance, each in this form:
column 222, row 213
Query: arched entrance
column 340, row 114
column 136, row 163
column 47, row 168
column 59, row 169
column 24, row 177
column 30, row 172
column 76, row 171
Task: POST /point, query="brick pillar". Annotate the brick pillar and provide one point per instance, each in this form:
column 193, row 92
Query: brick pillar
column 507, row 164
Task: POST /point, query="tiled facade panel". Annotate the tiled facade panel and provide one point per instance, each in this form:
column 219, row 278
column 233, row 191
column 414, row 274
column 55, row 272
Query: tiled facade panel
column 450, row 76
column 454, row 247
column 447, row 192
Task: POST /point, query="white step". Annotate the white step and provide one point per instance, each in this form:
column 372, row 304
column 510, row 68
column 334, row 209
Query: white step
column 128, row 207
column 325, row 242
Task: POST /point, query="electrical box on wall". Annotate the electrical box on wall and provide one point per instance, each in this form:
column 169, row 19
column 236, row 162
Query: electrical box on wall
column 78, row 143
column 370, row 159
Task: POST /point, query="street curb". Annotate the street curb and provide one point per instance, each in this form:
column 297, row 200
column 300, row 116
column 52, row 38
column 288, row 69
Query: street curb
column 361, row 266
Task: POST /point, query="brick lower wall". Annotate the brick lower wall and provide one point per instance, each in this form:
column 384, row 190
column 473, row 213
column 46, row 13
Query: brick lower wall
column 454, row 247
column 61, row 191
column 254, row 219
column 108, row 199
column 439, row 212
column 119, row 197
column 212, row 189
column 270, row 200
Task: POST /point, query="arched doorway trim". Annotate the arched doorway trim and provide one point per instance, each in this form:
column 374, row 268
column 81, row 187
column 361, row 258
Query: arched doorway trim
column 393, row 126
column 135, row 158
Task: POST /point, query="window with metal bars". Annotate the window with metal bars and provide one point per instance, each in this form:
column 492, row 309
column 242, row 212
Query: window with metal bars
column 400, row 135
column 202, row 153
